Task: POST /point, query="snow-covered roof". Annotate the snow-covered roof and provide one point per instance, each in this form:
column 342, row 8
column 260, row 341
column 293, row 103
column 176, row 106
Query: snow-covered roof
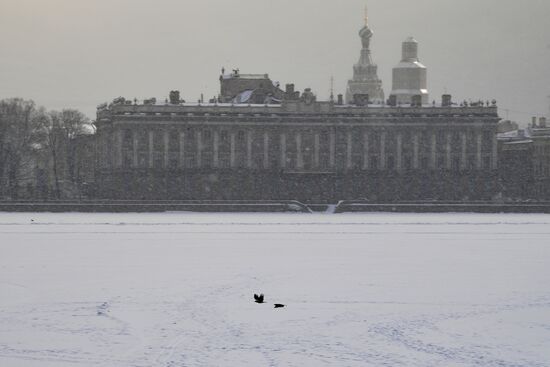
column 509, row 134
column 410, row 65
column 516, row 142
column 409, row 91
column 245, row 76
column 243, row 97
column 515, row 137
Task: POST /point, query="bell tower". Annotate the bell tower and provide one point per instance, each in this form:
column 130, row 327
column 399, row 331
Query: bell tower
column 410, row 77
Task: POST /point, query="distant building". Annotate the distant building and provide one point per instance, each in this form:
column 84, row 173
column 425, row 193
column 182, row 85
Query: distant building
column 516, row 165
column 524, row 157
column 249, row 88
column 540, row 133
column 365, row 73
column 301, row 149
column 507, row 126
column 410, row 77
column 256, row 141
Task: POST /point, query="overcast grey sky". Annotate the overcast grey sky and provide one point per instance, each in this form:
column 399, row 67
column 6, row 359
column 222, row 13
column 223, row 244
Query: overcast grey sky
column 80, row 53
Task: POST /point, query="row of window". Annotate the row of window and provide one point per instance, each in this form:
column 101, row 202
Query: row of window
column 158, row 139
column 306, row 162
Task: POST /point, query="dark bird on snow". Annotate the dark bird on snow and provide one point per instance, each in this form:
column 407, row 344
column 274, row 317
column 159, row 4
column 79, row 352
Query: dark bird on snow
column 259, row 299
column 278, row 305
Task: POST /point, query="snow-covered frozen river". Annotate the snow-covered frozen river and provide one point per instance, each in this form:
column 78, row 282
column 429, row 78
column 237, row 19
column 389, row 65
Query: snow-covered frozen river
column 176, row 290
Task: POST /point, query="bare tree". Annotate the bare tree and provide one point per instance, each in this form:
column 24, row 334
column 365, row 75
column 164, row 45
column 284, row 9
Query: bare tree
column 58, row 130
column 19, row 141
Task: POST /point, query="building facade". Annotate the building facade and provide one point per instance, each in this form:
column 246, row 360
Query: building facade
column 516, row 164
column 524, row 161
column 300, row 149
column 540, row 134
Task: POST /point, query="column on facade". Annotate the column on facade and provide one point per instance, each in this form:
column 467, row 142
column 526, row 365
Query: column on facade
column 216, row 157
column 266, row 150
column 102, row 147
column 332, row 149
column 249, row 149
column 135, row 148
column 151, row 140
column 199, row 149
column 349, row 150
column 479, row 141
column 463, row 151
column 182, row 149
column 316, row 148
column 119, row 144
column 383, row 150
column 232, row 150
column 416, row 151
column 299, row 153
column 433, row 152
column 365, row 151
column 166, row 149
column 283, row 151
column 494, row 155
column 448, row 152
column 399, row 160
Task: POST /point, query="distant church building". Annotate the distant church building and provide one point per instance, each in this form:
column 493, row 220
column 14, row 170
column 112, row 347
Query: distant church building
column 365, row 73
column 410, row 77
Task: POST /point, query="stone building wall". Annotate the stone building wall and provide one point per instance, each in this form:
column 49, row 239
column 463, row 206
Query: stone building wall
column 317, row 152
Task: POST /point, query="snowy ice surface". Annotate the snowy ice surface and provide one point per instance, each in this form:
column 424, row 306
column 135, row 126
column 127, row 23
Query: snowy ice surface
column 176, row 289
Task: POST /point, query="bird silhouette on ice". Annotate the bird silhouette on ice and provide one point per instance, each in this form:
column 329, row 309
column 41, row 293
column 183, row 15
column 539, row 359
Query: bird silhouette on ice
column 259, row 299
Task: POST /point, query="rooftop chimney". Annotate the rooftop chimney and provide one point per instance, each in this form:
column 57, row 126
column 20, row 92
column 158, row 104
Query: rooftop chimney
column 340, row 99
column 361, row 99
column 175, row 97
column 446, row 100
column 534, row 121
column 416, row 101
column 290, row 88
column 542, row 122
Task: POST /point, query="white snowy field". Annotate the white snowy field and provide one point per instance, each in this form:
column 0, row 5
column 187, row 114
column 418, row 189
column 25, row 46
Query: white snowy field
column 176, row 290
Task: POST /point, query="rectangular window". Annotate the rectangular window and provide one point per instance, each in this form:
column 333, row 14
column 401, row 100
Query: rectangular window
column 240, row 136
column 407, row 162
column 374, row 160
column 424, row 163
column 471, row 163
column 441, row 163
column 455, row 164
column 391, row 162
column 487, row 163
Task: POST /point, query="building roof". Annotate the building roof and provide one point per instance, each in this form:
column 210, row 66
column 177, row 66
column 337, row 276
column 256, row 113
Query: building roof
column 245, row 76
column 410, row 65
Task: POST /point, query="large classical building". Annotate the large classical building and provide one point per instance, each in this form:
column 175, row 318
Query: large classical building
column 259, row 142
column 304, row 150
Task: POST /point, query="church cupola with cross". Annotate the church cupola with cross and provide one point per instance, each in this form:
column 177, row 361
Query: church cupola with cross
column 365, row 73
